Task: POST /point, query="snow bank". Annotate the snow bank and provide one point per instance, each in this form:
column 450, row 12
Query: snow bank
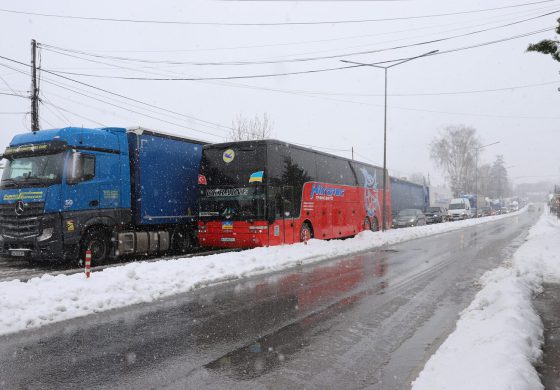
column 498, row 337
column 48, row 299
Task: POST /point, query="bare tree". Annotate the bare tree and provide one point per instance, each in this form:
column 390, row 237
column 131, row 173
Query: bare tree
column 243, row 129
column 454, row 151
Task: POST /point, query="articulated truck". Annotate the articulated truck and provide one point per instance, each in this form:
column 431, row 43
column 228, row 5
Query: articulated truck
column 112, row 191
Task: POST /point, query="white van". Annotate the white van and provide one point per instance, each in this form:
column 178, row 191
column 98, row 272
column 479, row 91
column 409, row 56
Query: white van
column 459, row 208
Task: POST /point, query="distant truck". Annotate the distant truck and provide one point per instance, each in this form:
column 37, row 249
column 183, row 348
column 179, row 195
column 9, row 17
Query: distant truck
column 408, row 195
column 112, row 191
column 459, row 208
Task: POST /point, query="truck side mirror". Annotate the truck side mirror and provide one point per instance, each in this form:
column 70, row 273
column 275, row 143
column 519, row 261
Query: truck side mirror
column 81, row 168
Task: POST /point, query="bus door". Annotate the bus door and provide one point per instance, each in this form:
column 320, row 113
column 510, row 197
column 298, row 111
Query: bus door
column 288, row 214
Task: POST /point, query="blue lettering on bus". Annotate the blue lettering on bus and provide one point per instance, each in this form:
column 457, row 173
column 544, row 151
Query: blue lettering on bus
column 319, row 190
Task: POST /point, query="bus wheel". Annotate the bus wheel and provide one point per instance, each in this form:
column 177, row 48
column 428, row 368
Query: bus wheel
column 97, row 241
column 305, row 233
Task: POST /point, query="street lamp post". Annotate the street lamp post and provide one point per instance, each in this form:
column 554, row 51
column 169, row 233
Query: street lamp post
column 385, row 68
column 476, row 173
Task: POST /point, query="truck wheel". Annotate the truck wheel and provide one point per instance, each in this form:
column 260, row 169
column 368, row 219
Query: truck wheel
column 97, row 241
column 306, row 233
column 181, row 241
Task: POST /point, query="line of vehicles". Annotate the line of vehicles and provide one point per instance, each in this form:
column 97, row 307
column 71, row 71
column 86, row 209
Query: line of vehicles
column 458, row 209
column 120, row 192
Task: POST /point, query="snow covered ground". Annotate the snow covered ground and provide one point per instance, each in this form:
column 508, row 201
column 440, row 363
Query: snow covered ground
column 498, row 337
column 49, row 299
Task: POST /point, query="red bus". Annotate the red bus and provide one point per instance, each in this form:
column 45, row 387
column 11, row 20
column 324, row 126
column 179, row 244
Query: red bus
column 268, row 192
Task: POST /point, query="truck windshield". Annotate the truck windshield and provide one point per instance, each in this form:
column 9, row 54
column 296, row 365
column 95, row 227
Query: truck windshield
column 238, row 203
column 32, row 170
column 456, row 206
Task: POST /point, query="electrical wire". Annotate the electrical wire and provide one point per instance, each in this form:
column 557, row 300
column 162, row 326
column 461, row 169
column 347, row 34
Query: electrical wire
column 118, row 95
column 48, row 123
column 77, row 115
column 333, row 99
column 262, row 24
column 128, row 109
column 307, row 59
column 330, row 93
column 233, row 63
column 13, row 94
column 60, row 115
column 267, row 75
column 329, row 40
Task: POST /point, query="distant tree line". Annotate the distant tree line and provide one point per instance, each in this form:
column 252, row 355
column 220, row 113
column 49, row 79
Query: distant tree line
column 455, row 150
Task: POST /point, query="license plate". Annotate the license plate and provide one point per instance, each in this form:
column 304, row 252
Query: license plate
column 17, row 253
column 228, row 239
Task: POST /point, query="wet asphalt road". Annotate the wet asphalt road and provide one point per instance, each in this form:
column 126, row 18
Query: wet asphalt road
column 365, row 321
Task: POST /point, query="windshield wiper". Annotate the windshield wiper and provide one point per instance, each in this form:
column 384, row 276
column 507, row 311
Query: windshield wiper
column 8, row 183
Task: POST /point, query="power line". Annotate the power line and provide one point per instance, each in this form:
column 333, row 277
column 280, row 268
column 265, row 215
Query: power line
column 77, row 115
column 116, row 94
column 442, row 93
column 60, row 115
column 310, row 96
column 296, row 60
column 128, row 109
column 267, row 75
column 302, row 42
column 14, row 94
column 330, row 93
column 262, row 24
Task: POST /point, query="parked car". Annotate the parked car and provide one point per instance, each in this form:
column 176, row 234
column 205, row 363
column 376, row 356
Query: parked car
column 485, row 212
column 503, row 210
column 435, row 214
column 410, row 217
column 459, row 208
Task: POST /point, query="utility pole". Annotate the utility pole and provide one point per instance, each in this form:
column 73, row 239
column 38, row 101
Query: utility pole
column 34, row 88
column 385, row 178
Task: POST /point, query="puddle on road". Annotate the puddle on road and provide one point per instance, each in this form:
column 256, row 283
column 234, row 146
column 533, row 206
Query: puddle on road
column 320, row 294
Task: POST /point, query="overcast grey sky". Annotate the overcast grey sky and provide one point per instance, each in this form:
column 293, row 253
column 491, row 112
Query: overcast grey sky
column 336, row 109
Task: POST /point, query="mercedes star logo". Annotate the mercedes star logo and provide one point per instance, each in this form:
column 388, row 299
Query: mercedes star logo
column 19, row 207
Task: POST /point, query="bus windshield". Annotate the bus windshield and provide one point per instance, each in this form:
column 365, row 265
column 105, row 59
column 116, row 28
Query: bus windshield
column 235, row 180
column 237, row 203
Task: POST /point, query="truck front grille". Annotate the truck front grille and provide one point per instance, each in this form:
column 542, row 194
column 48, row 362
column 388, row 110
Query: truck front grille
column 26, row 224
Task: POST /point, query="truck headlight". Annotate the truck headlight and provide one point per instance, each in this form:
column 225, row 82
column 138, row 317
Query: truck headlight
column 47, row 233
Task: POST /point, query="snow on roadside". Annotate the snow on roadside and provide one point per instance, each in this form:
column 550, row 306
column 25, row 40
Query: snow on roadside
column 498, row 337
column 49, row 299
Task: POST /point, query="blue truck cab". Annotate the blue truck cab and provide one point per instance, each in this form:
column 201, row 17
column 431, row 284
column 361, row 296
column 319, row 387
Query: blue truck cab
column 113, row 191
